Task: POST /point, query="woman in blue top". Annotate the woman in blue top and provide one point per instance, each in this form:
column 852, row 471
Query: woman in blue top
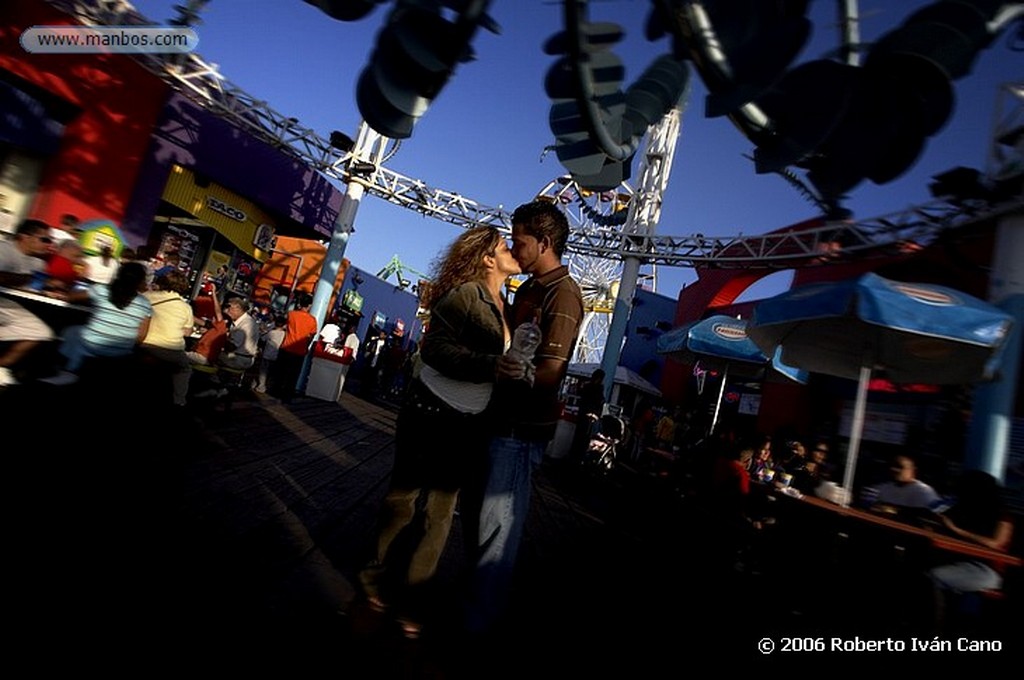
column 119, row 320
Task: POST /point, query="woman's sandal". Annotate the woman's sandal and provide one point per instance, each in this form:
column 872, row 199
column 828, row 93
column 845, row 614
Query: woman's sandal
column 376, row 604
column 410, row 629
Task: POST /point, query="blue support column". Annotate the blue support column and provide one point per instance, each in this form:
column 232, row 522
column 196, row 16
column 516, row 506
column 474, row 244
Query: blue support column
column 620, row 319
column 369, row 149
column 988, row 435
column 343, row 227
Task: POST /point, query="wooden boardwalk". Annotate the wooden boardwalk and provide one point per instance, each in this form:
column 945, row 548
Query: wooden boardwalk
column 280, row 505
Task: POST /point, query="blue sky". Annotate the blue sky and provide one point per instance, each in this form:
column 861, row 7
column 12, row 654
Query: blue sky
column 484, row 136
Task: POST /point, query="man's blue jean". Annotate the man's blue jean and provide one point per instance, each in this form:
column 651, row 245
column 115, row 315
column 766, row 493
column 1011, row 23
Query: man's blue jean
column 506, row 503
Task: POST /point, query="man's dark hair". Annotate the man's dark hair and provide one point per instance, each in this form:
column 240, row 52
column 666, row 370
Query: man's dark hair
column 303, row 300
column 543, row 218
column 31, row 227
column 173, row 281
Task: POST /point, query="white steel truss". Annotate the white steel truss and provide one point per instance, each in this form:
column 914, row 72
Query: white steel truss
column 911, row 228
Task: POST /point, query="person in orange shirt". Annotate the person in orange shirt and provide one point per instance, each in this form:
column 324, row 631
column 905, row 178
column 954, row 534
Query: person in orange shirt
column 302, row 328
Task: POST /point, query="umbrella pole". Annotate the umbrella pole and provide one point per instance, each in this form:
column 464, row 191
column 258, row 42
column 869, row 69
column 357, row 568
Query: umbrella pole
column 856, row 429
column 718, row 404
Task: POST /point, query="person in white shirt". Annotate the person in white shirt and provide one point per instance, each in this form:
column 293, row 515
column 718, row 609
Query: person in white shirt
column 243, row 337
column 20, row 329
column 102, row 267
column 68, row 230
column 271, row 344
column 352, row 345
column 905, row 490
column 8, row 220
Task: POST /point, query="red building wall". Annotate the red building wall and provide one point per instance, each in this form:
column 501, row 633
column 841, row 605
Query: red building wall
column 93, row 173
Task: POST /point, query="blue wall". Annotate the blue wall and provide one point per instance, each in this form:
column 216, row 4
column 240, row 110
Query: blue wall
column 384, row 297
column 652, row 315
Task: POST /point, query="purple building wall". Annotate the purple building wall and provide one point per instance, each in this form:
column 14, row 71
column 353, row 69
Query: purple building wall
column 213, row 148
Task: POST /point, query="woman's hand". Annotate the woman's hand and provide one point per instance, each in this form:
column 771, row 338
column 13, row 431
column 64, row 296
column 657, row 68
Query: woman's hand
column 508, row 368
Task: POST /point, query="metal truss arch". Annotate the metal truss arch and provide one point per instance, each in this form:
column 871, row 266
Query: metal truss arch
column 202, row 83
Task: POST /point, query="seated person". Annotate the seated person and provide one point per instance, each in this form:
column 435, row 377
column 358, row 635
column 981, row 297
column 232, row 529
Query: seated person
column 792, row 458
column 814, row 470
column 66, row 265
column 762, row 461
column 978, row 516
column 243, row 336
column 735, row 516
column 21, row 331
column 206, row 305
column 211, row 343
column 102, row 267
column 905, row 490
column 119, row 321
column 171, row 324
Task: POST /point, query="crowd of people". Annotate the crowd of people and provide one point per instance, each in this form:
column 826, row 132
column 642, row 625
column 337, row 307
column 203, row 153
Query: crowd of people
column 139, row 307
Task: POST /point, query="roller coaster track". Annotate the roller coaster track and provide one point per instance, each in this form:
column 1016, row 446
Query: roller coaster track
column 820, row 243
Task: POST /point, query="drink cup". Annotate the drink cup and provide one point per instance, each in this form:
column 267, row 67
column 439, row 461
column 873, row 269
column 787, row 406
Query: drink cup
column 785, row 479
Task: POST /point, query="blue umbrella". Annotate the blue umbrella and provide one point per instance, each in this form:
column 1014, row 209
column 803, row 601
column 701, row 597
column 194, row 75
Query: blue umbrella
column 908, row 332
column 721, row 343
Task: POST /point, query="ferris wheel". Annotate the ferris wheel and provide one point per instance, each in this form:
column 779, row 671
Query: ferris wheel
column 598, row 277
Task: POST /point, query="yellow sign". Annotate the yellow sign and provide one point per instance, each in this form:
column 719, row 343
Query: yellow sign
column 238, row 219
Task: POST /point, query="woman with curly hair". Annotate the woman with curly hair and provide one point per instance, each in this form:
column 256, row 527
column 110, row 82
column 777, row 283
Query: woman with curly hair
column 448, row 395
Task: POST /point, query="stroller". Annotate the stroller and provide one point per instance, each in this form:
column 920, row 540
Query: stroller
column 601, row 450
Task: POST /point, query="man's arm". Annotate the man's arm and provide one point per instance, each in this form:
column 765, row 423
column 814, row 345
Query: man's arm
column 1000, row 540
column 12, row 280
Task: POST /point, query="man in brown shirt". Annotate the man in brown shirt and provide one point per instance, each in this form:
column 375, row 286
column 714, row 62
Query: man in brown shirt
column 525, row 415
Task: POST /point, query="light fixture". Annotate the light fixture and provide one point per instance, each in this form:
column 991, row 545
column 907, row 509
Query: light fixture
column 341, row 141
column 362, row 168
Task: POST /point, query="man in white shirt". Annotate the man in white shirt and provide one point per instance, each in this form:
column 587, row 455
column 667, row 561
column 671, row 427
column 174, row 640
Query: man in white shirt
column 905, row 490
column 20, row 258
column 243, row 337
column 68, row 229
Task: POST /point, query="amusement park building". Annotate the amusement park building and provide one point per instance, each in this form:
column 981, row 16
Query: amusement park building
column 100, row 137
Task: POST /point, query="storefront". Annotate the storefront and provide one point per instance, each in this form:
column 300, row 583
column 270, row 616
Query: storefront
column 103, row 139
column 209, row 231
column 218, row 201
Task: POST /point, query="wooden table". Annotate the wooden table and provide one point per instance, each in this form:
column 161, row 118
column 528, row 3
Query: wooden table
column 936, row 538
column 33, row 297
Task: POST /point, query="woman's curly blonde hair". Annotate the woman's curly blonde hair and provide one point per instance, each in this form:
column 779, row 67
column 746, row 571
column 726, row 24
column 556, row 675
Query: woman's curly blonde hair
column 463, row 261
